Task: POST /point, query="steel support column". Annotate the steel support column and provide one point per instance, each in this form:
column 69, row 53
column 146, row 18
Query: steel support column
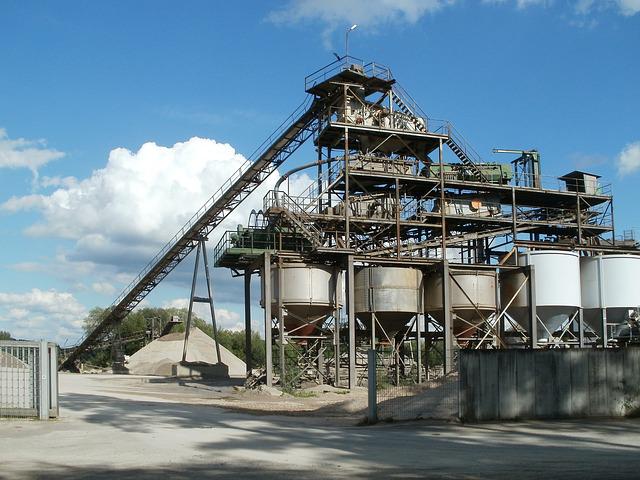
column 268, row 341
column 351, row 315
column 280, row 314
column 212, row 310
column 187, row 329
column 533, row 313
column 443, row 210
column 448, row 319
column 581, row 329
column 247, row 321
column 419, row 346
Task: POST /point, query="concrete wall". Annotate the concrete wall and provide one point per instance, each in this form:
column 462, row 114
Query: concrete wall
column 560, row 383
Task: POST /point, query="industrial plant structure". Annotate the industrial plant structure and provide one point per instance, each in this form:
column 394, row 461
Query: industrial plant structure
column 407, row 239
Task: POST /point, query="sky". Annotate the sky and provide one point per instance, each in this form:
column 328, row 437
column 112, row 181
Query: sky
column 119, row 119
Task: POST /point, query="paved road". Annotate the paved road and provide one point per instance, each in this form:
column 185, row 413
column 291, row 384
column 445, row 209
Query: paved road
column 109, row 432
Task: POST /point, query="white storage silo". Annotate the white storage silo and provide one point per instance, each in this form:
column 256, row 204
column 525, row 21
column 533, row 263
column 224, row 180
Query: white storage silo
column 557, row 290
column 610, row 285
column 310, row 294
column 472, row 297
column 392, row 294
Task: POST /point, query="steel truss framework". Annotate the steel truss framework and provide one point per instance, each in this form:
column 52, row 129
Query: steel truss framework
column 392, row 187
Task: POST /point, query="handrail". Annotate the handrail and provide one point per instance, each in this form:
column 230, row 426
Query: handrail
column 462, row 142
column 278, row 198
column 409, row 101
column 371, row 69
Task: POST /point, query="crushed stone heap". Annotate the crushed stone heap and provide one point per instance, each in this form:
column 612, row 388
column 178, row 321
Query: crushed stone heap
column 158, row 357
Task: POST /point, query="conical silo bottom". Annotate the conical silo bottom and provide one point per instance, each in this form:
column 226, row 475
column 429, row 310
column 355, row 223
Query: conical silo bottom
column 550, row 319
column 592, row 317
column 391, row 322
column 467, row 323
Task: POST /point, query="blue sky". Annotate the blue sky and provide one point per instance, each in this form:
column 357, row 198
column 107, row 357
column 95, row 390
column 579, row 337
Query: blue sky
column 85, row 85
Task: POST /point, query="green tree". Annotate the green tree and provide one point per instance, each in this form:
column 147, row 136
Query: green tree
column 135, row 331
column 234, row 341
column 4, row 335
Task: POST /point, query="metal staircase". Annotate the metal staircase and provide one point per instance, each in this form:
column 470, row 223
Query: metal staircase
column 280, row 202
column 292, row 133
column 410, row 108
column 467, row 155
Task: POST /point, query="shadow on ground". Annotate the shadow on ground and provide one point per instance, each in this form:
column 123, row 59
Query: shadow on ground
column 244, row 446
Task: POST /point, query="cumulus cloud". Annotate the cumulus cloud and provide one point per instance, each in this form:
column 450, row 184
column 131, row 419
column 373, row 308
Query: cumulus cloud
column 336, row 14
column 629, row 159
column 46, row 314
column 369, row 13
column 103, row 287
column 123, row 213
column 629, row 7
column 521, row 3
column 23, row 153
column 624, row 7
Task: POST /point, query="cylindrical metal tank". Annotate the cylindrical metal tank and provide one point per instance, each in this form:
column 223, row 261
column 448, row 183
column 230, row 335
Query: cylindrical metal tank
column 393, row 294
column 610, row 282
column 310, row 293
column 557, row 290
column 472, row 297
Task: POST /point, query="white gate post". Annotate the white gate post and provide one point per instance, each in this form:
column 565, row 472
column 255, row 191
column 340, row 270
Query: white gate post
column 43, row 400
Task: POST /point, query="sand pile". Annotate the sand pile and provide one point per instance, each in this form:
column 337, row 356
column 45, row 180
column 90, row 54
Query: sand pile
column 158, row 357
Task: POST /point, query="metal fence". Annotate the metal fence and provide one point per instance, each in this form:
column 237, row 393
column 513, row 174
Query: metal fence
column 401, row 394
column 28, row 379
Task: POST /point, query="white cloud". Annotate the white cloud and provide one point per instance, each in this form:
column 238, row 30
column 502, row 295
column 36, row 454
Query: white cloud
column 46, row 314
column 103, row 287
column 122, row 214
column 581, row 7
column 624, row 7
column 629, row 7
column 337, row 13
column 522, row 3
column 47, row 182
column 297, row 184
column 23, row 153
column 629, row 159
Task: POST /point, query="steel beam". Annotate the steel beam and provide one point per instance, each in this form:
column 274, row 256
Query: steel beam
column 448, row 320
column 351, row 316
column 247, row 321
column 533, row 313
column 266, row 300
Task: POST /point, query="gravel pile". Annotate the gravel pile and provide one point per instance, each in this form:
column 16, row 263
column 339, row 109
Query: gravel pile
column 157, row 357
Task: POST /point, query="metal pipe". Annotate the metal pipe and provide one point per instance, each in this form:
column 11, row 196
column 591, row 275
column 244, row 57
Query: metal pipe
column 286, row 175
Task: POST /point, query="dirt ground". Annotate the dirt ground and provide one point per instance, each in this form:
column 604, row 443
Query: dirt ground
column 143, row 428
column 324, row 401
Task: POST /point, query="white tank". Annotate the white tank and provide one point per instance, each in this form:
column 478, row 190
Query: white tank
column 610, row 282
column 557, row 286
column 472, row 297
column 393, row 294
column 310, row 293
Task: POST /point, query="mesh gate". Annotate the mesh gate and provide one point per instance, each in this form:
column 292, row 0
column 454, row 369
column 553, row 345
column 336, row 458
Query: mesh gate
column 28, row 379
column 402, row 394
